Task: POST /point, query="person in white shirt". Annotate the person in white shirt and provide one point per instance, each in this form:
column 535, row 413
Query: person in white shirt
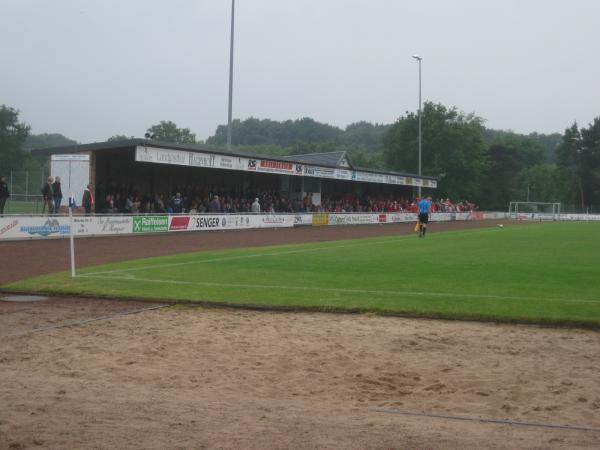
column 255, row 208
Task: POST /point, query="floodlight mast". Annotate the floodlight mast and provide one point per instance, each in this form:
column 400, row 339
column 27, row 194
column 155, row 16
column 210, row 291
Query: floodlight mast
column 230, row 76
column 419, row 58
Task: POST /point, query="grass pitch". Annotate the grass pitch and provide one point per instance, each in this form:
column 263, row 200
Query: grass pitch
column 542, row 273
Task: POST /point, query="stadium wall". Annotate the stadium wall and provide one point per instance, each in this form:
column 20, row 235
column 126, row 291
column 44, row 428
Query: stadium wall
column 40, row 227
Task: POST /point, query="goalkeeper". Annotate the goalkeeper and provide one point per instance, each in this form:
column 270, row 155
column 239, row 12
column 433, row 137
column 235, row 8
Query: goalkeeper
column 424, row 209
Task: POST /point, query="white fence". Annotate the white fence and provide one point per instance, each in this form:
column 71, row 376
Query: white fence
column 39, row 227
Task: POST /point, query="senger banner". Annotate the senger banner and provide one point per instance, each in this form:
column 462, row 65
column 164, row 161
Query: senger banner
column 233, row 221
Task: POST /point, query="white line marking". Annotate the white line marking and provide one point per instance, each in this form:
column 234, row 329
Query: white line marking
column 340, row 290
column 258, row 255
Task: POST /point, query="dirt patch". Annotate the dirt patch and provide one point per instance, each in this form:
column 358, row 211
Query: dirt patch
column 185, row 377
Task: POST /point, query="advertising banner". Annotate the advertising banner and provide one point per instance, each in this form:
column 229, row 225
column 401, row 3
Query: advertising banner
column 401, row 217
column 215, row 161
column 44, row 226
column 353, row 219
column 101, row 225
column 150, row 224
column 303, row 220
column 320, row 219
column 29, row 227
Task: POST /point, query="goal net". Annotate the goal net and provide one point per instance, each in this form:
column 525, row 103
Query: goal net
column 534, row 211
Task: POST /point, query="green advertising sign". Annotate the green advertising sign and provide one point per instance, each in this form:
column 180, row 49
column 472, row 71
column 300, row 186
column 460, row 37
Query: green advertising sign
column 147, row 224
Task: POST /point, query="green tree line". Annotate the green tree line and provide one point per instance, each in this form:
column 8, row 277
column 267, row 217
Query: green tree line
column 490, row 167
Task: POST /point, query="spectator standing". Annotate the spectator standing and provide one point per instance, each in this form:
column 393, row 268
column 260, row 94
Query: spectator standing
column 177, row 204
column 88, row 199
column 48, row 196
column 4, row 194
column 57, row 194
column 255, row 208
column 215, row 205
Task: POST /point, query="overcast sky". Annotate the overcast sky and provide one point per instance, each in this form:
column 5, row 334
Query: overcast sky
column 93, row 68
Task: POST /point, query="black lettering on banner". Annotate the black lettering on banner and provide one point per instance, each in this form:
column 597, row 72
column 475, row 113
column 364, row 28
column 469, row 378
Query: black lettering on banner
column 207, row 222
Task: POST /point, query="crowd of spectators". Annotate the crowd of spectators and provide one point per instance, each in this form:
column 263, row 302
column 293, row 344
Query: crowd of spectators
column 192, row 201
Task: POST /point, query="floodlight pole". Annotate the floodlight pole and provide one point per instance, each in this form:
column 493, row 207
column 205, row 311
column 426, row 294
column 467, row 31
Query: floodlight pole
column 419, row 58
column 230, row 76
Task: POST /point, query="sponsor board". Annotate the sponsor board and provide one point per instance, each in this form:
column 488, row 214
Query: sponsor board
column 303, row 220
column 462, row 216
column 493, row 215
column 179, row 223
column 353, row 219
column 273, row 219
column 101, row 225
column 70, row 157
column 112, row 224
column 49, row 227
column 442, row 217
column 583, row 217
column 157, row 155
column 202, row 160
column 5, row 228
column 237, row 221
column 402, row 217
column 382, row 218
column 201, row 222
column 320, row 219
column 150, row 224
column 342, row 174
column 267, row 165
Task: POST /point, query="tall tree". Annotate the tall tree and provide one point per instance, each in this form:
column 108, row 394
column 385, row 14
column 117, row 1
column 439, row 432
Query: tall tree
column 12, row 137
column 452, row 149
column 590, row 155
column 570, row 159
column 498, row 183
column 168, row 132
column 540, row 183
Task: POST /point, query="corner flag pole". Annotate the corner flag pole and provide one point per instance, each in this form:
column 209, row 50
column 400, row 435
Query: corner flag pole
column 71, row 238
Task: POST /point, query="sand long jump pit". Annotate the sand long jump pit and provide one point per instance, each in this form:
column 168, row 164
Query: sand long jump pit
column 85, row 373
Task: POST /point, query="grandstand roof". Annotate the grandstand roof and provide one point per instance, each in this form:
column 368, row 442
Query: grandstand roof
column 337, row 159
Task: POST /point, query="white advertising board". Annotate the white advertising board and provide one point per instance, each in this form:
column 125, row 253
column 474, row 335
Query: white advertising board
column 29, row 227
column 401, row 217
column 159, row 155
column 353, row 219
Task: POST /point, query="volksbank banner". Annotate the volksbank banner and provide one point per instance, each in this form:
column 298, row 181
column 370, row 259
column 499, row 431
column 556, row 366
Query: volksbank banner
column 229, row 162
column 28, row 227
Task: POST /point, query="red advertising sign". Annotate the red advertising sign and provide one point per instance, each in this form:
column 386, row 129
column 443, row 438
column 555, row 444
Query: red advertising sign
column 179, row 223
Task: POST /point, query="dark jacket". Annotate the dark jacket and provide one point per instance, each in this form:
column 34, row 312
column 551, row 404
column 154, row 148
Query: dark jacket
column 214, row 206
column 47, row 191
column 4, row 190
column 87, row 200
column 57, row 191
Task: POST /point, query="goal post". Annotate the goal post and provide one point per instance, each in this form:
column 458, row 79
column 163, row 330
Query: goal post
column 534, row 210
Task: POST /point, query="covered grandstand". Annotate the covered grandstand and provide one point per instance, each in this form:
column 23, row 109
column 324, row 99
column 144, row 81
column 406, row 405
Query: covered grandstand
column 151, row 167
